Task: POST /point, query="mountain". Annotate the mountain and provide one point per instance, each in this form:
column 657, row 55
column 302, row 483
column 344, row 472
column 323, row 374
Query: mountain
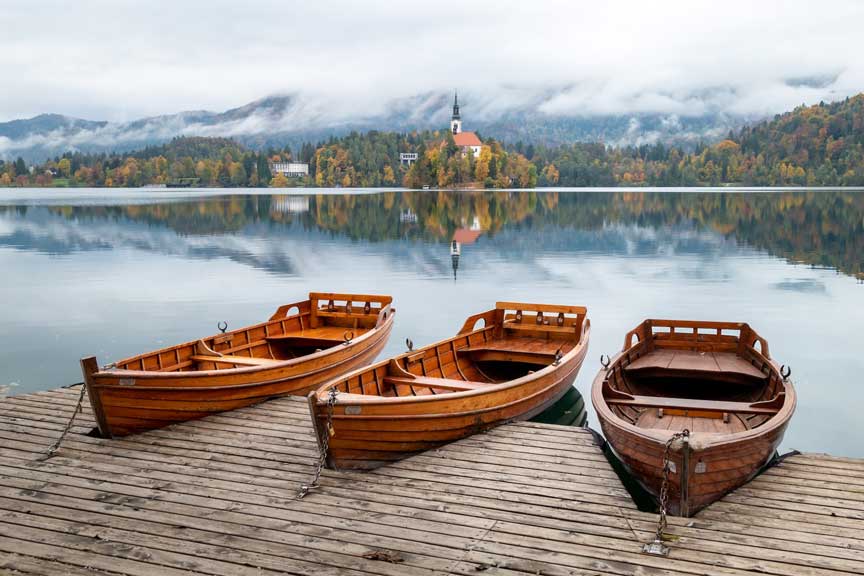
column 290, row 120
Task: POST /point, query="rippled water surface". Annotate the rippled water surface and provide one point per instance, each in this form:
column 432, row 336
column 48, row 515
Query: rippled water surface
column 114, row 273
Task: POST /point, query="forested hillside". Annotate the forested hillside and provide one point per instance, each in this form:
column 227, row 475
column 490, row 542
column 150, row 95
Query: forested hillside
column 820, row 145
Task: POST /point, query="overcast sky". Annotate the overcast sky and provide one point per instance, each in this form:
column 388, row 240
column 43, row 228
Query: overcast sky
column 123, row 59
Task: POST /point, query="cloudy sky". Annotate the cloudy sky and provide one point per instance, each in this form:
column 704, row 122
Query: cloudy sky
column 123, row 59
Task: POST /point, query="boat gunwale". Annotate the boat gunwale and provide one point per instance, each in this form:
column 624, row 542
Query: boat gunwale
column 252, row 384
column 445, row 396
column 321, row 393
column 243, row 370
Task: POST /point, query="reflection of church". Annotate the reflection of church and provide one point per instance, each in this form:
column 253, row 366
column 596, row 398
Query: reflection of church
column 463, row 236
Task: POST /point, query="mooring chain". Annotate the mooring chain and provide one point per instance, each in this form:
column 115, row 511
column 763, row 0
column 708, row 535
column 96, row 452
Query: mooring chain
column 656, row 546
column 53, row 448
column 325, row 446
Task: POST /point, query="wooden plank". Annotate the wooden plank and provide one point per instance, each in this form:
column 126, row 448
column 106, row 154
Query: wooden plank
column 579, row 310
column 443, row 383
column 240, row 360
column 216, row 496
column 691, row 404
column 532, row 327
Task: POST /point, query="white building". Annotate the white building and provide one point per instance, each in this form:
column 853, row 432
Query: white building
column 407, row 158
column 290, row 169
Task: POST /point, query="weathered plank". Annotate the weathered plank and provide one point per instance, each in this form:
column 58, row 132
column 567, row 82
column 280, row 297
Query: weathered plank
column 217, row 496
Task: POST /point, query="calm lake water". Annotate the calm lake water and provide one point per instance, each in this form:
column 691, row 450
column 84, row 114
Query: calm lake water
column 114, row 273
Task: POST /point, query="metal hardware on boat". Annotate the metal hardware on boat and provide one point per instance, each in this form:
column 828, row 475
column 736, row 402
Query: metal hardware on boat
column 656, row 547
column 558, row 356
column 560, row 319
column 325, row 447
column 785, row 372
column 331, row 307
column 367, row 308
column 519, row 316
column 348, row 308
column 223, row 326
column 605, row 361
column 410, row 344
column 539, row 317
column 348, row 336
column 56, row 445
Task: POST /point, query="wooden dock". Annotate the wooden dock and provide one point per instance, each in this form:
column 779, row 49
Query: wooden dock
column 217, row 496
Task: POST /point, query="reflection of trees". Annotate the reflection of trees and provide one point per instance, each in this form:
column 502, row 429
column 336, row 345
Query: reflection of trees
column 820, row 228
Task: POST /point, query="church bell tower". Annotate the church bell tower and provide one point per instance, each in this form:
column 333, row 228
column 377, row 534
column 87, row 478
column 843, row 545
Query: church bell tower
column 456, row 120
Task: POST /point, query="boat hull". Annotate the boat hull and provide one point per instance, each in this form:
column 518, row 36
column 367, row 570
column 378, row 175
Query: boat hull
column 723, row 468
column 128, row 401
column 715, row 444
column 371, row 433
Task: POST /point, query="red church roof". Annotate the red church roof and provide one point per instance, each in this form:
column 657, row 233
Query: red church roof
column 466, row 235
column 466, row 139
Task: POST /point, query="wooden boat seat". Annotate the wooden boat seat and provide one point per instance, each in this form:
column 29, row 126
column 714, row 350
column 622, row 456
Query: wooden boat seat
column 528, row 350
column 483, row 353
column 694, row 404
column 444, row 383
column 688, row 361
column 322, row 337
column 238, row 360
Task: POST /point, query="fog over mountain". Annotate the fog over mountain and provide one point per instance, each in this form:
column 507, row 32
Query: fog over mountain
column 277, row 121
column 622, row 71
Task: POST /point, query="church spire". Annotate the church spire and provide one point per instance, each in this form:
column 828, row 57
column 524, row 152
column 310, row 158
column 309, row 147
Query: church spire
column 456, row 120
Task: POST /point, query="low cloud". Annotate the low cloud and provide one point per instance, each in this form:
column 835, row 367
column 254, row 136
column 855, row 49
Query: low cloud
column 349, row 62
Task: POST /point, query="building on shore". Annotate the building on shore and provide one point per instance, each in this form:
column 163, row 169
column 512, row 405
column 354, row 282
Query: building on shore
column 290, row 169
column 407, row 158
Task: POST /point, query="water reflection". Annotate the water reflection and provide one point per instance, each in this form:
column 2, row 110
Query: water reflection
column 119, row 274
column 820, row 228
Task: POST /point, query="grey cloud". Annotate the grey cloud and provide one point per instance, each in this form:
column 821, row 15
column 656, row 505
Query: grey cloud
column 349, row 61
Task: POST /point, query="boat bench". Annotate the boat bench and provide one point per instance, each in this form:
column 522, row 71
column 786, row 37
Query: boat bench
column 693, row 404
column 304, row 341
column 493, row 353
column 238, row 360
column 690, row 362
column 322, row 337
column 427, row 382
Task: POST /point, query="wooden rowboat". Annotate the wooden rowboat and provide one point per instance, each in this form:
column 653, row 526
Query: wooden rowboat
column 717, row 381
column 509, row 363
column 302, row 345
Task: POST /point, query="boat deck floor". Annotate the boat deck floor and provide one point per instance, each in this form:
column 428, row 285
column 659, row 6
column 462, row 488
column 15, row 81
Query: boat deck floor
column 650, row 418
column 687, row 360
column 217, row 497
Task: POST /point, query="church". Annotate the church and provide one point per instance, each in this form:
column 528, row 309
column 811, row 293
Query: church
column 465, row 140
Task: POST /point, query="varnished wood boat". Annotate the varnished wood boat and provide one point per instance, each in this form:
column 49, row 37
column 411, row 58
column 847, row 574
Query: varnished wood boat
column 717, row 381
column 301, row 346
column 509, row 363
